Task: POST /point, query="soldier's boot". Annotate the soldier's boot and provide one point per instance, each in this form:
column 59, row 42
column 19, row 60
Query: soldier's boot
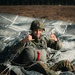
column 42, row 68
column 63, row 65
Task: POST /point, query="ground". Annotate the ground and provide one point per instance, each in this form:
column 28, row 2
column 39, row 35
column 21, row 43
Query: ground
column 57, row 12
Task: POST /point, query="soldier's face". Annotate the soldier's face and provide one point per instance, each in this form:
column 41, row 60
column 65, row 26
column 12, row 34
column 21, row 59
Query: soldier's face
column 37, row 33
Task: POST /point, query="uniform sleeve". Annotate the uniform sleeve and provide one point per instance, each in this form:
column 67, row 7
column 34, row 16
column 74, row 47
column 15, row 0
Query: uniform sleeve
column 16, row 47
column 22, row 44
column 54, row 44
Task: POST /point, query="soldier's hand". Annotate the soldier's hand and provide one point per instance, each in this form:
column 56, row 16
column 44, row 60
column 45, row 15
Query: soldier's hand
column 27, row 38
column 53, row 37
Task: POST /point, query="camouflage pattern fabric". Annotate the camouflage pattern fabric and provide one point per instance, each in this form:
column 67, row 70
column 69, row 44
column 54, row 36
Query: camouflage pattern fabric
column 63, row 65
column 37, row 24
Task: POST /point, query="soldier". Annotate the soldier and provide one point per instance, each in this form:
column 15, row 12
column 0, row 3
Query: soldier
column 36, row 44
column 32, row 50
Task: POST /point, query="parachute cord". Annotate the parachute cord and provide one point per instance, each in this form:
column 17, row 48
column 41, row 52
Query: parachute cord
column 33, row 64
column 25, row 65
column 4, row 70
column 21, row 49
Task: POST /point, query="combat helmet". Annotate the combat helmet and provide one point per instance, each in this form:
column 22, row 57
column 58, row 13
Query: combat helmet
column 36, row 24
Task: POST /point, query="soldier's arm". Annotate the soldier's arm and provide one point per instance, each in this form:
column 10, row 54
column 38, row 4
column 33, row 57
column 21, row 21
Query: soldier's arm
column 53, row 42
column 16, row 47
column 22, row 43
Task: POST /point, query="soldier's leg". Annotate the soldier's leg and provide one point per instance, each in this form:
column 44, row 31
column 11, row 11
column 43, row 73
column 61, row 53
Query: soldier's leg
column 63, row 65
column 42, row 68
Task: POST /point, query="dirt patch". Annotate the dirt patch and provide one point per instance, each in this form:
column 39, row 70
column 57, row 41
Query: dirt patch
column 65, row 13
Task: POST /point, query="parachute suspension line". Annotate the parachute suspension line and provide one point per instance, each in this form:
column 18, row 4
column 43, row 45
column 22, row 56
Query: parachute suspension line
column 65, row 29
column 7, row 69
column 4, row 71
column 32, row 65
column 14, row 20
column 20, row 50
column 6, row 18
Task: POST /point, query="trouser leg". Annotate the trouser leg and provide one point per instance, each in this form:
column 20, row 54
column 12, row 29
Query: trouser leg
column 63, row 65
column 42, row 68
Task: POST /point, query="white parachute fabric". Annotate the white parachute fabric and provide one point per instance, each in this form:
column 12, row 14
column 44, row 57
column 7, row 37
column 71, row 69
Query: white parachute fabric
column 63, row 55
column 13, row 28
